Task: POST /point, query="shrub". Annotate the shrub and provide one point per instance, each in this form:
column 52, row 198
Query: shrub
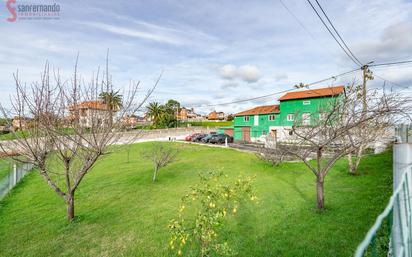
column 212, row 200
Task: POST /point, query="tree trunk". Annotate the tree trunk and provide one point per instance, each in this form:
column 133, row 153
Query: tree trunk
column 155, row 174
column 70, row 207
column 319, row 192
column 353, row 166
column 352, row 169
column 359, row 157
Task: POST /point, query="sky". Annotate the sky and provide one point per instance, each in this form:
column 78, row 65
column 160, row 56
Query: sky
column 210, row 52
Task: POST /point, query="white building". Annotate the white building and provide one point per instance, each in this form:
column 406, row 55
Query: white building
column 91, row 113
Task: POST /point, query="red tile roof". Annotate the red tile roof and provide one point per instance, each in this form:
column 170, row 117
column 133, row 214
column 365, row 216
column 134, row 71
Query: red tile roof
column 97, row 105
column 327, row 91
column 260, row 110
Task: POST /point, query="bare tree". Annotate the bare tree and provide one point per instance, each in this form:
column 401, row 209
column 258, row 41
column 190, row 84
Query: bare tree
column 70, row 129
column 362, row 131
column 274, row 156
column 333, row 135
column 160, row 155
column 364, row 137
column 370, row 131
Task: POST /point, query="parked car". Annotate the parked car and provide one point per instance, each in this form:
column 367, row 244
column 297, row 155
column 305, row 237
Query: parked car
column 198, row 137
column 220, row 139
column 189, row 137
column 207, row 138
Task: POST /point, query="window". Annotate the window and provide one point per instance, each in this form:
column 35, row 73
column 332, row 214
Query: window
column 306, row 102
column 306, row 118
column 323, row 116
column 246, row 119
column 290, row 117
column 271, row 117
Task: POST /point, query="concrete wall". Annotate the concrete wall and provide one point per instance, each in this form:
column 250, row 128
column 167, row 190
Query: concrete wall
column 161, row 134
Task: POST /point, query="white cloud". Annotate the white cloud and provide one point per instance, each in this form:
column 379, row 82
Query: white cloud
column 249, row 73
column 229, row 84
column 281, row 76
column 134, row 33
column 395, row 42
column 145, row 37
column 398, row 78
column 194, row 102
column 228, row 71
column 220, row 95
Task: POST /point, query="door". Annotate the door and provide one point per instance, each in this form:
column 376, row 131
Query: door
column 246, row 134
column 274, row 134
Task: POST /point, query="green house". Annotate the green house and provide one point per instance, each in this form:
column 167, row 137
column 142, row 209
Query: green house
column 277, row 120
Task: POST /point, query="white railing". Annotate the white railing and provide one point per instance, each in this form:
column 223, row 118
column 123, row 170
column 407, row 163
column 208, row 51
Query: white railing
column 17, row 172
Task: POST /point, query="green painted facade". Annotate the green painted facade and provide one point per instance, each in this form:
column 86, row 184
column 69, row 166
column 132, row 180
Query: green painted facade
column 255, row 130
column 309, row 108
column 297, row 107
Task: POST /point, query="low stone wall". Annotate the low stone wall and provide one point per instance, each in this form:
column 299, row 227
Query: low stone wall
column 161, row 134
column 12, row 147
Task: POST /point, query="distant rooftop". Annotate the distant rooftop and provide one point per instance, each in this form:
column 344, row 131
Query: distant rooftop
column 97, row 105
column 266, row 109
column 321, row 92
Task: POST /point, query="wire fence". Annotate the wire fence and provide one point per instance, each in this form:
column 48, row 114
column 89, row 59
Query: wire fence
column 392, row 232
column 391, row 235
column 16, row 173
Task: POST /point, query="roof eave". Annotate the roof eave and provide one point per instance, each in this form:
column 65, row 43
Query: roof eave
column 237, row 115
column 315, row 96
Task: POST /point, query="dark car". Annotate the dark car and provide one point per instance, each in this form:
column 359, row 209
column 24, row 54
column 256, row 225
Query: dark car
column 207, row 138
column 220, row 139
column 198, row 137
column 190, row 137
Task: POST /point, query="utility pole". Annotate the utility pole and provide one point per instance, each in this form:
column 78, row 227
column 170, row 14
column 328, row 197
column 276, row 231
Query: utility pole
column 367, row 75
column 364, row 104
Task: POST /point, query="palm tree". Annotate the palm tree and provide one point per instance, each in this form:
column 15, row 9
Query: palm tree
column 112, row 99
column 154, row 110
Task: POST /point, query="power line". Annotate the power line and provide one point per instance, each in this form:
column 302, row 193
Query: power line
column 334, row 37
column 390, row 63
column 245, row 100
column 393, row 83
column 276, row 93
column 343, row 41
column 333, row 77
column 297, row 20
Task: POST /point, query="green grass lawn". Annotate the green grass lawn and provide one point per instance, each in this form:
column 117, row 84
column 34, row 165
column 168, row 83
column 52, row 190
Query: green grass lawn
column 122, row 213
column 21, row 134
column 10, row 135
column 5, row 167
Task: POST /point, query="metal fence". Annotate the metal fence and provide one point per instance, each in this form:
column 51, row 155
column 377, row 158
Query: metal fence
column 404, row 133
column 391, row 235
column 17, row 172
